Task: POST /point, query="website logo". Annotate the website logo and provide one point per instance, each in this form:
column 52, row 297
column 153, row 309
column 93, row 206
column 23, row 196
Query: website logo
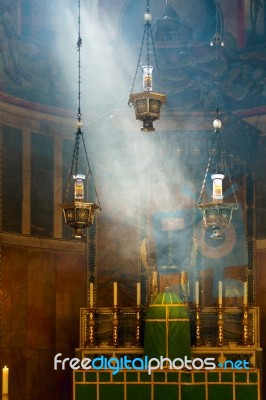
column 145, row 364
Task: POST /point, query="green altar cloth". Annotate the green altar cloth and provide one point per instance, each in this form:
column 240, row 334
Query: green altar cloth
column 168, row 384
column 167, row 331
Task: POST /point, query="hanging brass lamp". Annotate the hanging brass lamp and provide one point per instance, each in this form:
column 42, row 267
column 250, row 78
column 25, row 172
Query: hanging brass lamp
column 79, row 213
column 147, row 104
column 217, row 214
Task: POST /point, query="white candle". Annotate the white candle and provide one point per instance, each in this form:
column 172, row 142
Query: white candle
column 220, row 293
column 245, row 295
column 217, row 191
column 115, row 294
column 197, row 293
column 91, row 295
column 5, row 380
column 138, row 294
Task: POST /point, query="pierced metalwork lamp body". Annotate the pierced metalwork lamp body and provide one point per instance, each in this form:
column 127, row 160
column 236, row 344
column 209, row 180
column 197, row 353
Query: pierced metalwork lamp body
column 147, row 107
column 79, row 214
column 217, row 216
column 147, row 104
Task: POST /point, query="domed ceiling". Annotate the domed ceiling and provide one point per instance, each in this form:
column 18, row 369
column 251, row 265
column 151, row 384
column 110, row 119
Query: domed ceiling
column 38, row 62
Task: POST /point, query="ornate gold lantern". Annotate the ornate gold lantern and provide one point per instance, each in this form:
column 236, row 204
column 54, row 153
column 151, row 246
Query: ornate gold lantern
column 147, row 104
column 78, row 213
column 217, row 214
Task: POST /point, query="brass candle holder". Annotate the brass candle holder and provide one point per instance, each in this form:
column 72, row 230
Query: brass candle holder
column 91, row 324
column 220, row 323
column 185, row 299
column 198, row 325
column 115, row 323
column 137, row 323
column 245, row 325
column 184, row 285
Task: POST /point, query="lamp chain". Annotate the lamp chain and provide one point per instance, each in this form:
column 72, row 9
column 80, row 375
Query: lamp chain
column 217, row 42
column 227, row 169
column 207, row 169
column 149, row 37
column 216, row 62
column 76, row 151
column 90, row 172
column 79, row 44
column 138, row 63
column 148, row 43
column 74, row 161
column 79, row 133
column 75, row 156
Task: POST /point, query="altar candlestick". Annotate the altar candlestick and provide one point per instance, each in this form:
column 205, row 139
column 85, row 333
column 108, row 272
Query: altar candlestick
column 115, row 294
column 220, row 293
column 245, row 295
column 5, row 381
column 138, row 294
column 197, row 292
column 91, row 295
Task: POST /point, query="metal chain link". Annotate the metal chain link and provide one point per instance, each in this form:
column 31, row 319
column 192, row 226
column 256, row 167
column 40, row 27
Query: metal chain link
column 79, row 133
column 217, row 133
column 90, row 172
column 138, row 63
column 149, row 37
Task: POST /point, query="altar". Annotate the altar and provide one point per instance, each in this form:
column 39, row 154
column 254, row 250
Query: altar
column 236, row 374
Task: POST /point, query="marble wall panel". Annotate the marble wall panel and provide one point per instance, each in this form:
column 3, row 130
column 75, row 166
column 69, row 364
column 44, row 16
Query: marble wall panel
column 43, row 291
column 41, row 299
column 40, row 380
column 261, row 190
column 261, row 303
column 14, row 300
column 70, row 297
column 63, row 380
